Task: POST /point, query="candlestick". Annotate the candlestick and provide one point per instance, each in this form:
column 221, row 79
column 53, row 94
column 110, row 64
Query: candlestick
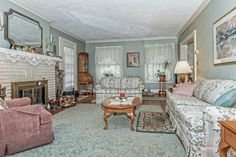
column 51, row 38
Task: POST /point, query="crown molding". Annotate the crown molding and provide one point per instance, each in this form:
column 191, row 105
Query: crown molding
column 30, row 10
column 194, row 16
column 131, row 39
column 68, row 33
column 51, row 24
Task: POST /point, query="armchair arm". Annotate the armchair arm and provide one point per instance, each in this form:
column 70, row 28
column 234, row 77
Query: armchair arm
column 213, row 114
column 20, row 122
column 29, row 109
column 18, row 102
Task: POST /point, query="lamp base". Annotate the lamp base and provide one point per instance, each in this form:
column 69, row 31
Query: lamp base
column 182, row 78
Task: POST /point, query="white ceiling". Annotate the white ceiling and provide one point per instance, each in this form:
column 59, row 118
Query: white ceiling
column 115, row 19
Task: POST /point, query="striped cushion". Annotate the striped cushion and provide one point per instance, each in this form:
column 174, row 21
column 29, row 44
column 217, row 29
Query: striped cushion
column 3, row 105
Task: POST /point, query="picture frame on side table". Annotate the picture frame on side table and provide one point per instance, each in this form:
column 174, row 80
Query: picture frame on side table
column 224, row 37
column 132, row 59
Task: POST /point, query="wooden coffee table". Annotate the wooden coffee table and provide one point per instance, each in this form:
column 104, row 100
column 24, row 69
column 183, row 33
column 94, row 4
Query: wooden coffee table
column 129, row 109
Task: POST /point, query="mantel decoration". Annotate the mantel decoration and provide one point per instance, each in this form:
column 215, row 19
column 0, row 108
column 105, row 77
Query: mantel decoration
column 224, row 36
column 132, row 59
column 33, row 59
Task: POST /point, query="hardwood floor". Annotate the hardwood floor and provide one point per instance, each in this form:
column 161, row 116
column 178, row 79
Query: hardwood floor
column 156, row 100
column 162, row 103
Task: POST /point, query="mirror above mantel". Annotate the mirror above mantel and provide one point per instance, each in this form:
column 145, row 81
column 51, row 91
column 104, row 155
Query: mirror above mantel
column 23, row 32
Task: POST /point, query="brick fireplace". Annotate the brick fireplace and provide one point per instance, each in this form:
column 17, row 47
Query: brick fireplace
column 28, row 69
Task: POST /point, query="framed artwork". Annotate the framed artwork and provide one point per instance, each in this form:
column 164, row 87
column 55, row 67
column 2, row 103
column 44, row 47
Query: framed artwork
column 224, row 36
column 132, row 59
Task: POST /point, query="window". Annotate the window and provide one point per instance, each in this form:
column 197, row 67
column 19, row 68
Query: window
column 156, row 57
column 68, row 51
column 108, row 61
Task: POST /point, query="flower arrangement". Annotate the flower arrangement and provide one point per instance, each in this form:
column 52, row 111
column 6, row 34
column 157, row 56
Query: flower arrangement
column 162, row 72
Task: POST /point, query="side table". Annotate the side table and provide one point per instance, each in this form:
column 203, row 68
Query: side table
column 228, row 137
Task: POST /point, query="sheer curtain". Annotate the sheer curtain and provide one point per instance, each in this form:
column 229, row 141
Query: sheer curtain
column 155, row 58
column 108, row 61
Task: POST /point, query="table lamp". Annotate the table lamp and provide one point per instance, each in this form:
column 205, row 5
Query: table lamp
column 182, row 68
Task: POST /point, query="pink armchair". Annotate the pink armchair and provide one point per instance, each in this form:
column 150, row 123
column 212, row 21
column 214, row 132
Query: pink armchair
column 24, row 126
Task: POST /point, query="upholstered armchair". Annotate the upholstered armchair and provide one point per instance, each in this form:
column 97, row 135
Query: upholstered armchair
column 23, row 126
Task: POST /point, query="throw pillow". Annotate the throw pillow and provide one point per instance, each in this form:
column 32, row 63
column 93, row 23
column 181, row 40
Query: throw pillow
column 185, row 89
column 3, row 105
column 226, row 100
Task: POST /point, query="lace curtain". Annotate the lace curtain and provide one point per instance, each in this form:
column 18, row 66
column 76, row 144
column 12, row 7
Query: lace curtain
column 108, row 61
column 158, row 57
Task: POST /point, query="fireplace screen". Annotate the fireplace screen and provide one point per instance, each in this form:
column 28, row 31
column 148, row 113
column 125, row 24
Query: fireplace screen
column 36, row 95
column 36, row 90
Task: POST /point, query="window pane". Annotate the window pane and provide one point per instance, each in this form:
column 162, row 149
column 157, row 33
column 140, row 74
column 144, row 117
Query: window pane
column 69, row 68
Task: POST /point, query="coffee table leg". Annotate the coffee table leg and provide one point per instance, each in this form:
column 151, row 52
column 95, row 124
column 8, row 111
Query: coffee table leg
column 132, row 120
column 105, row 120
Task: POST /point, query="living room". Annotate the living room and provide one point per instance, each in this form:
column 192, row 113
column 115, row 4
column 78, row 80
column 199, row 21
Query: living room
column 118, row 78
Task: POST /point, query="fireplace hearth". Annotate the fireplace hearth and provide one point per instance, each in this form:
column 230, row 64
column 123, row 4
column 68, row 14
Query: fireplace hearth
column 36, row 90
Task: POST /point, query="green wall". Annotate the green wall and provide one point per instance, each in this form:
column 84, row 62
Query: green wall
column 128, row 46
column 5, row 5
column 203, row 25
column 56, row 34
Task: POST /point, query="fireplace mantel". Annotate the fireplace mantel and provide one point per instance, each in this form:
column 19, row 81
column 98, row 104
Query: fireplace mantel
column 32, row 58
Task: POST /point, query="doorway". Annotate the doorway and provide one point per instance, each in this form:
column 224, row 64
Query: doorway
column 68, row 50
column 188, row 52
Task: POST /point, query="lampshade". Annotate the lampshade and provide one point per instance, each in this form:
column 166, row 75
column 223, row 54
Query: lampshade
column 182, row 67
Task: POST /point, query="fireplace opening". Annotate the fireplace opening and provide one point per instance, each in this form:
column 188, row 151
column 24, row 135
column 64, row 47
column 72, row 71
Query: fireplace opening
column 36, row 90
column 36, row 94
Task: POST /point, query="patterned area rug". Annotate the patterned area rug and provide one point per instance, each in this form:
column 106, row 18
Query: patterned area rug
column 154, row 122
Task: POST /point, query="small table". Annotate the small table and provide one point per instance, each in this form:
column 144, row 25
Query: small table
column 129, row 109
column 228, row 137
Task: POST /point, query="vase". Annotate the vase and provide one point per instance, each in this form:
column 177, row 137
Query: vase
column 162, row 78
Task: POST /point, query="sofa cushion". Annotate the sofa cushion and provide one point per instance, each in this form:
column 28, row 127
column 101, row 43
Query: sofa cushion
column 130, row 82
column 3, row 105
column 186, row 100
column 185, row 89
column 217, row 88
column 110, row 82
column 211, row 90
column 226, row 100
column 201, row 85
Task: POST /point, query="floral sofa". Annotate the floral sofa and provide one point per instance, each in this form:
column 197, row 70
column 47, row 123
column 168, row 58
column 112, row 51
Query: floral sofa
column 111, row 86
column 196, row 118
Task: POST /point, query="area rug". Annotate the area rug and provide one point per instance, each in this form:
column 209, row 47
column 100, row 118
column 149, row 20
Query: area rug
column 79, row 132
column 157, row 122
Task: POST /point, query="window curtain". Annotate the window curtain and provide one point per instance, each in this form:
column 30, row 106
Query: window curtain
column 69, row 56
column 108, row 61
column 155, row 58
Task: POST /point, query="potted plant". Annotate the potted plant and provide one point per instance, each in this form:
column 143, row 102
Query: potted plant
column 162, row 74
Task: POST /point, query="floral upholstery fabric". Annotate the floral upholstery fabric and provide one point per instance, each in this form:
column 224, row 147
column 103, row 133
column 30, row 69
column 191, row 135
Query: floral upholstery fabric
column 210, row 90
column 111, row 86
column 196, row 120
column 131, row 82
column 110, row 82
column 186, row 100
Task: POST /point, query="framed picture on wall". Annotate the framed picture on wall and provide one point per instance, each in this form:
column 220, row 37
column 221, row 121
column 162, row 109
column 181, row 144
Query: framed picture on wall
column 132, row 59
column 224, row 36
